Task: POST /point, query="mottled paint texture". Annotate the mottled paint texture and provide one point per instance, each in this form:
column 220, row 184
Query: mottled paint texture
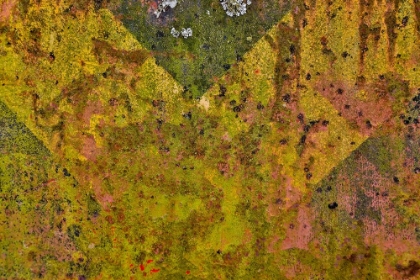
column 293, row 154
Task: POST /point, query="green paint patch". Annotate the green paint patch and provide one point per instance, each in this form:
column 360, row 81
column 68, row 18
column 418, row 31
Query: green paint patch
column 218, row 41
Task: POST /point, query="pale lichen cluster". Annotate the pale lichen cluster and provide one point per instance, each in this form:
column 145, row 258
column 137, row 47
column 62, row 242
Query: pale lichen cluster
column 235, row 7
column 184, row 32
column 231, row 7
column 164, row 5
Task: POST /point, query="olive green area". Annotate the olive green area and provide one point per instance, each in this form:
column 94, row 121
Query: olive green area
column 363, row 176
column 15, row 137
column 217, row 41
column 29, row 206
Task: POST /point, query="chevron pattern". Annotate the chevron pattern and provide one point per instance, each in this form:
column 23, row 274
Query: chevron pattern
column 297, row 160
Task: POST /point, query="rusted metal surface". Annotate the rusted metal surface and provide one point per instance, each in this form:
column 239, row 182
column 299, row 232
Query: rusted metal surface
column 279, row 144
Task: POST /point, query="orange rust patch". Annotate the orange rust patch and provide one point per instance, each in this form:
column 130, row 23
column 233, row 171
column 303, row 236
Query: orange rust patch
column 368, row 114
column 6, row 10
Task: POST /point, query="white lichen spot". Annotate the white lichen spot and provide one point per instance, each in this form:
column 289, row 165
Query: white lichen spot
column 171, row 3
column 235, row 7
column 186, row 32
column 164, row 5
column 174, row 32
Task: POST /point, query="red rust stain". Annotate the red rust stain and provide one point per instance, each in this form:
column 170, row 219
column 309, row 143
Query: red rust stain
column 154, row 270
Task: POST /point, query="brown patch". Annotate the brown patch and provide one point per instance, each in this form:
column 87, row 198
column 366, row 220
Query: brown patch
column 391, row 26
column 417, row 13
column 223, row 168
column 92, row 108
column 293, row 195
column 365, row 29
column 89, row 148
column 411, row 270
column 286, row 44
column 232, row 258
column 104, row 52
column 299, row 236
column 103, row 198
column 32, row 50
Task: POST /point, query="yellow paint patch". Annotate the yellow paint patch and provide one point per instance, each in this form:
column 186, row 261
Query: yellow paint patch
column 329, row 147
